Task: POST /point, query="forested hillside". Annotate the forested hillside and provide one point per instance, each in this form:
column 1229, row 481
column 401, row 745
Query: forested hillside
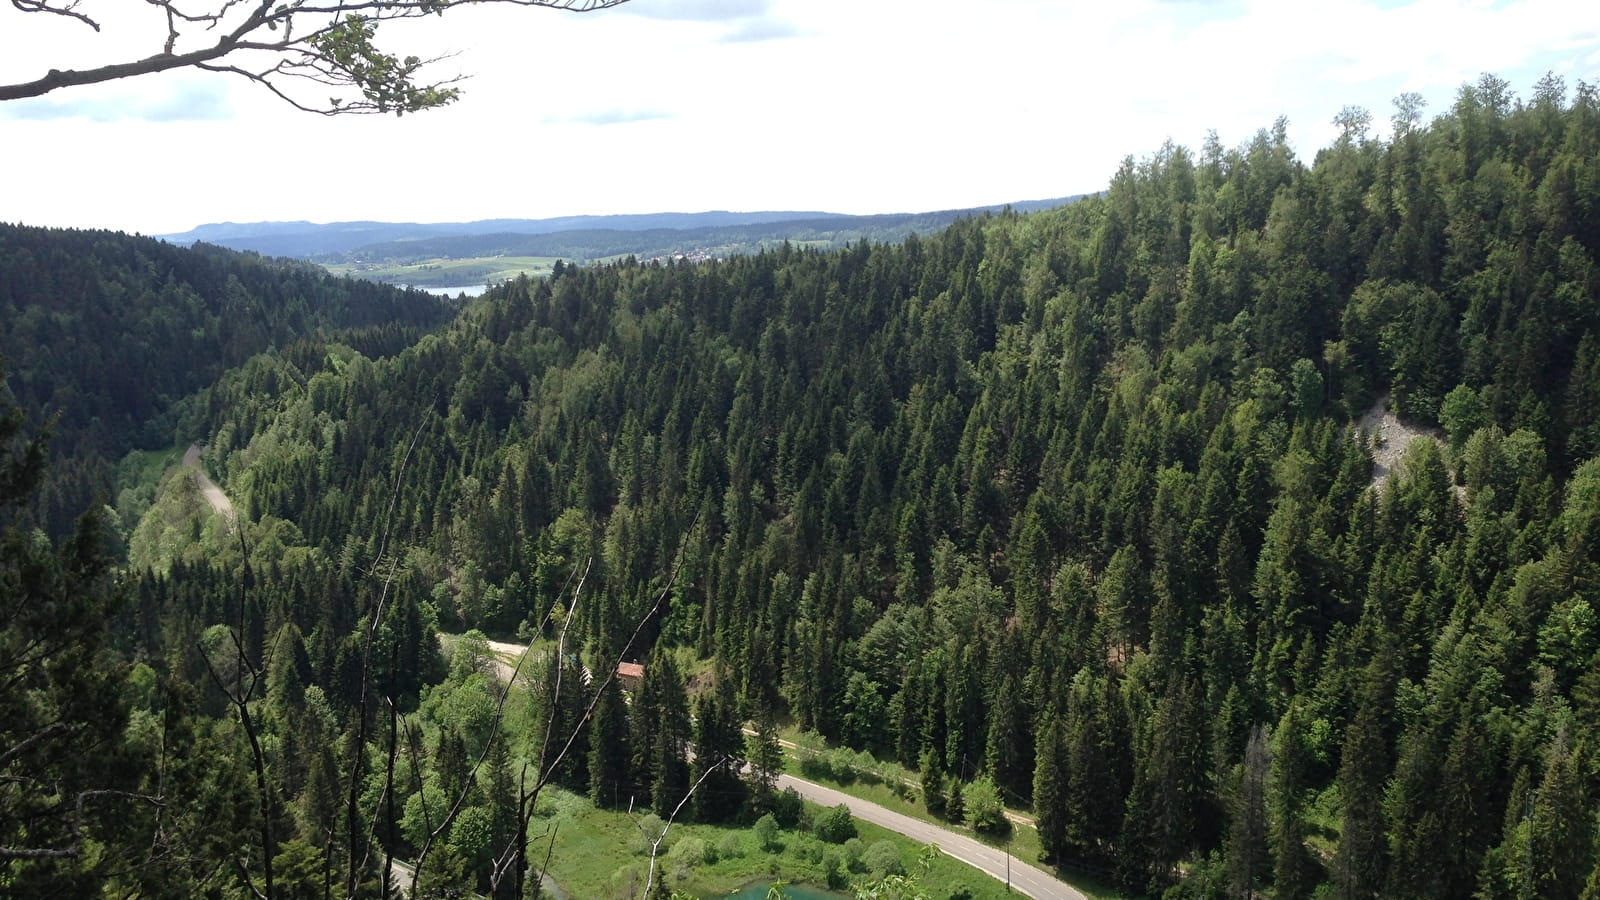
column 107, row 331
column 1070, row 500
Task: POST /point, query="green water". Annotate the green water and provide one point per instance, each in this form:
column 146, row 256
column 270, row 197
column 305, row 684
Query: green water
column 758, row 891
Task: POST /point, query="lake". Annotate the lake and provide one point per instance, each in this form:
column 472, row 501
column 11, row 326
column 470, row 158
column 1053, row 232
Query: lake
column 471, row 290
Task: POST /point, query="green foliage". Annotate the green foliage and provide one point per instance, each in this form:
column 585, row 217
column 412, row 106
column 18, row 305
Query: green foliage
column 766, row 831
column 985, row 811
column 1069, row 499
column 883, row 858
column 836, row 825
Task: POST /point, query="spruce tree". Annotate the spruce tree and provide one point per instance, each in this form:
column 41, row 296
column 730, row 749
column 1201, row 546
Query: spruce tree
column 1049, row 786
column 609, row 755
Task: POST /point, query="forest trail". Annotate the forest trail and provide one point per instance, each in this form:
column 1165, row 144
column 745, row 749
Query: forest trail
column 208, row 488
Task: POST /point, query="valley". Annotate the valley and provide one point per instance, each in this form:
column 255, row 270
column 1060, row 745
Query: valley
column 1231, row 532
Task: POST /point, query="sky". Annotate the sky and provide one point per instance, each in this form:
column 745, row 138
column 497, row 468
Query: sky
column 687, row 105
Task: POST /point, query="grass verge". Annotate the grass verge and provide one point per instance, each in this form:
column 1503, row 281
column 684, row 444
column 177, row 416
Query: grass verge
column 601, row 854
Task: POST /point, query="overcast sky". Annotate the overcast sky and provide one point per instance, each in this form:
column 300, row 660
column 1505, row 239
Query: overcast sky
column 857, row 106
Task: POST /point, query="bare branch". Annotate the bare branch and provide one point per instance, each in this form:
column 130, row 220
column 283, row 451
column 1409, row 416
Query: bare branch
column 70, row 10
column 22, row 746
column 656, row 845
column 72, row 849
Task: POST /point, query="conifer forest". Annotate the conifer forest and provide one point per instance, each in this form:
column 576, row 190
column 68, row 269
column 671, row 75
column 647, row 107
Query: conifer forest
column 1107, row 510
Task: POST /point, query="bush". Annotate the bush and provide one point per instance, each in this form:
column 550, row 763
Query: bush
column 883, row 858
column 650, row 828
column 852, row 854
column 866, row 766
column 816, row 768
column 984, row 809
column 730, row 847
column 831, row 868
column 836, row 825
column 808, row 849
column 692, row 851
column 787, row 808
column 766, row 829
column 841, row 762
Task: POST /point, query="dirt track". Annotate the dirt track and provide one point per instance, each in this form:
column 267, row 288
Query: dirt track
column 208, row 488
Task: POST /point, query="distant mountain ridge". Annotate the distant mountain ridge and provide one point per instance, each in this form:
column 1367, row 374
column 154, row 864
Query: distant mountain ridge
column 307, row 239
column 304, row 239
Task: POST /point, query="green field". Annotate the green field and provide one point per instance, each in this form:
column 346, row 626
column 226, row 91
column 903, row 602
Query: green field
column 876, row 783
column 600, row 854
column 451, row 272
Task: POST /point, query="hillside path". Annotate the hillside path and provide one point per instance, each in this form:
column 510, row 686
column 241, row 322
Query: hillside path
column 208, row 488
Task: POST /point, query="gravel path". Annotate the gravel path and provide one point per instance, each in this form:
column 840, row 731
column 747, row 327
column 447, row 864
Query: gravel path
column 208, row 488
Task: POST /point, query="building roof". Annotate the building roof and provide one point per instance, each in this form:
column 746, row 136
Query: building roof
column 630, row 670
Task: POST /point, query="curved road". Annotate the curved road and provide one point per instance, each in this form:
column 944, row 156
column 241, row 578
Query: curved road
column 1027, row 880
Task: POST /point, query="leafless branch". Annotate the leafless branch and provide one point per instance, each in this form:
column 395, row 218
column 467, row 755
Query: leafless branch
column 72, row 849
column 352, row 799
column 655, row 845
column 70, row 10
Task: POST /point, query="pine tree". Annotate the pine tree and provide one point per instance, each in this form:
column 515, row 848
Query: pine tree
column 718, row 748
column 609, row 755
column 1294, row 874
column 1049, row 785
column 1360, row 865
column 1247, row 828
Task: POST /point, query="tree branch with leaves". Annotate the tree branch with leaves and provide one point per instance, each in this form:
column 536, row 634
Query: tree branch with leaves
column 319, row 56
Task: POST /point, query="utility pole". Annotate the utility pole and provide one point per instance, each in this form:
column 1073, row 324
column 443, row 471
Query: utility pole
column 1008, row 863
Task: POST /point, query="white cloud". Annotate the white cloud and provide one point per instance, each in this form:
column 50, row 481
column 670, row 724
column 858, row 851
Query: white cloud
column 869, row 107
column 187, row 100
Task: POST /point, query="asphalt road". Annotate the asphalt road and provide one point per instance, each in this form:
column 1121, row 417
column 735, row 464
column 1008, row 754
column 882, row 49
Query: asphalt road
column 1026, row 880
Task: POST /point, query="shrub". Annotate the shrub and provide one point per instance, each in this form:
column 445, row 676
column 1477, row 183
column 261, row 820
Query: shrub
column 852, row 853
column 841, row 762
column 831, row 868
column 808, row 848
column 816, row 768
column 730, row 847
column 787, row 808
column 836, row 825
column 692, row 851
column 883, row 858
column 650, row 828
column 984, row 809
column 766, row 829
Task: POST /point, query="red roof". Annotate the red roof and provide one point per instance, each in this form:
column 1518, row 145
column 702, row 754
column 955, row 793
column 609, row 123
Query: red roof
column 630, row 670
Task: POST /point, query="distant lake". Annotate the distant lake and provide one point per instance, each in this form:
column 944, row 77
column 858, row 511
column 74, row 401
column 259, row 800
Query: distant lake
column 758, row 891
column 471, row 290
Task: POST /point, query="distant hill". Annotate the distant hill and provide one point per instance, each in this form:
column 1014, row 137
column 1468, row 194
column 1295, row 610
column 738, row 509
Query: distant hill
column 306, row 239
column 658, row 233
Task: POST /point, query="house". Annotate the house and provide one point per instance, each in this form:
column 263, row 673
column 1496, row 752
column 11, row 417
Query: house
column 630, row 675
